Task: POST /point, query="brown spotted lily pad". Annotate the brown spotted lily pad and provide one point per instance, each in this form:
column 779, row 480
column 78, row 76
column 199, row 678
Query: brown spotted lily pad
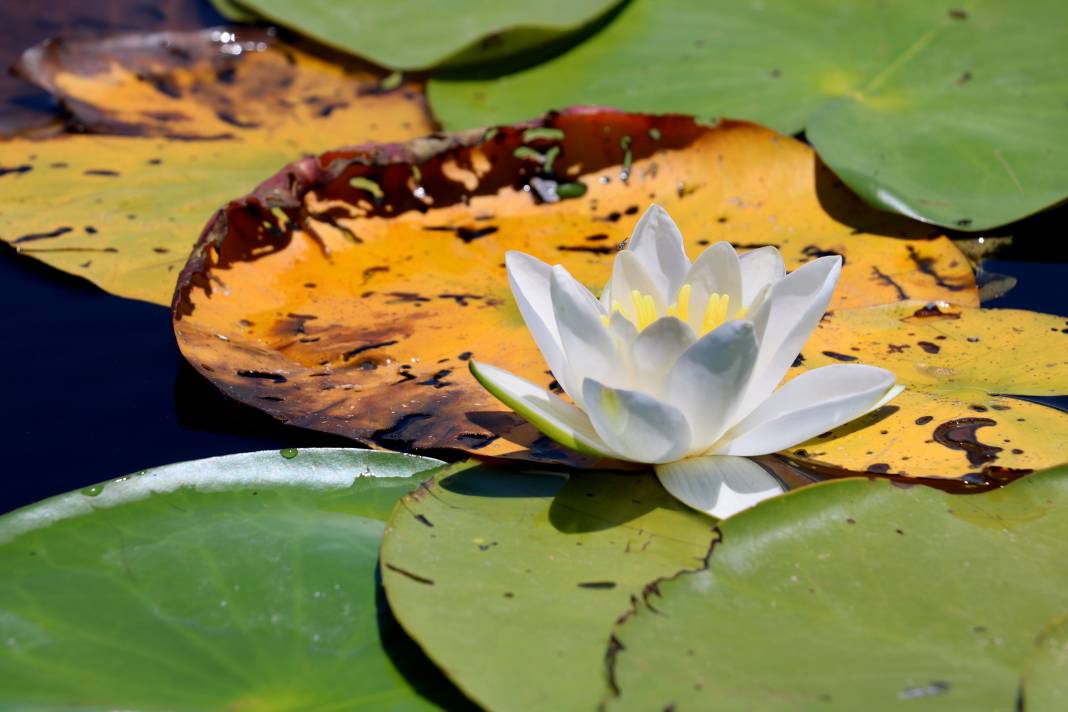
column 203, row 115
column 955, row 418
column 347, row 293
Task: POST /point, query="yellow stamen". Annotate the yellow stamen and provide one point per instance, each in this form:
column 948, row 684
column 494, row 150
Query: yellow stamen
column 604, row 319
column 644, row 309
column 710, row 312
column 717, row 308
column 683, row 305
column 716, row 312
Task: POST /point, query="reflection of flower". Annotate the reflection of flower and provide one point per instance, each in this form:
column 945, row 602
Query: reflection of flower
column 677, row 364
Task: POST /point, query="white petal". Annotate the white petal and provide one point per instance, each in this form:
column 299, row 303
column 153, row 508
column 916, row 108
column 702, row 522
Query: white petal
column 589, row 350
column 546, row 411
column 657, row 242
column 890, row 395
column 623, row 330
column 655, row 351
column 761, row 268
column 717, row 485
column 629, row 275
column 708, row 380
column 606, row 297
column 715, row 271
column 529, row 279
column 635, row 425
column 792, row 310
column 813, row 403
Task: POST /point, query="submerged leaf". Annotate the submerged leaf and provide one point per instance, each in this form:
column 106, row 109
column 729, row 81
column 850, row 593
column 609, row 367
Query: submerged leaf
column 348, row 293
column 222, row 83
column 955, row 116
column 240, row 582
column 954, row 419
column 411, row 34
column 856, row 594
column 122, row 211
column 551, row 559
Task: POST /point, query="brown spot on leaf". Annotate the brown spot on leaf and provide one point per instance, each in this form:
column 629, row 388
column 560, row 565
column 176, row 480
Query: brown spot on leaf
column 839, row 357
column 960, row 434
column 933, row 310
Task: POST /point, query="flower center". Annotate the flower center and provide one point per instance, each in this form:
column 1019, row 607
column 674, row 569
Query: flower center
column 645, row 313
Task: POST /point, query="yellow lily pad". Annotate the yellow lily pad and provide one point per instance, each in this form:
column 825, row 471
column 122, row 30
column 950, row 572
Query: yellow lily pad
column 124, row 211
column 955, row 419
column 347, row 294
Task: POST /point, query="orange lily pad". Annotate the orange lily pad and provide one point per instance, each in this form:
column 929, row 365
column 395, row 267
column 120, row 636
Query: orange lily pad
column 221, row 83
column 347, row 293
column 955, row 418
column 204, row 115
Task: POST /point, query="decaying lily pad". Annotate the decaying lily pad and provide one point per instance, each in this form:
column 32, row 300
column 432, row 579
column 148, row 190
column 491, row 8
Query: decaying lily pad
column 859, row 594
column 218, row 110
column 216, row 84
column 954, row 419
column 23, row 109
column 502, row 574
column 348, row 292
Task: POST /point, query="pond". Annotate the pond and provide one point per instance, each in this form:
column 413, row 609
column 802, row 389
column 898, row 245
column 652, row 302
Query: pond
column 575, row 502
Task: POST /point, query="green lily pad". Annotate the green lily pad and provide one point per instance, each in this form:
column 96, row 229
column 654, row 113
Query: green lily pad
column 952, row 114
column 231, row 10
column 510, row 581
column 244, row 582
column 412, row 34
column 1045, row 687
column 856, row 594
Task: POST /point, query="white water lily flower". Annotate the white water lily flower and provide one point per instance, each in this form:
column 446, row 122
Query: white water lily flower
column 677, row 364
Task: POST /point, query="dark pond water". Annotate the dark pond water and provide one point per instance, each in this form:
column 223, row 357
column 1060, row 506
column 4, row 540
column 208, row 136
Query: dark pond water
column 95, row 388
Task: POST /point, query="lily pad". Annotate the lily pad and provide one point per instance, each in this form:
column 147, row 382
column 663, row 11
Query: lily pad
column 231, row 10
column 24, row 110
column 1045, row 687
column 959, row 365
column 507, row 577
column 855, row 594
column 412, row 35
column 240, row 582
column 215, row 115
column 348, row 293
column 955, row 115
